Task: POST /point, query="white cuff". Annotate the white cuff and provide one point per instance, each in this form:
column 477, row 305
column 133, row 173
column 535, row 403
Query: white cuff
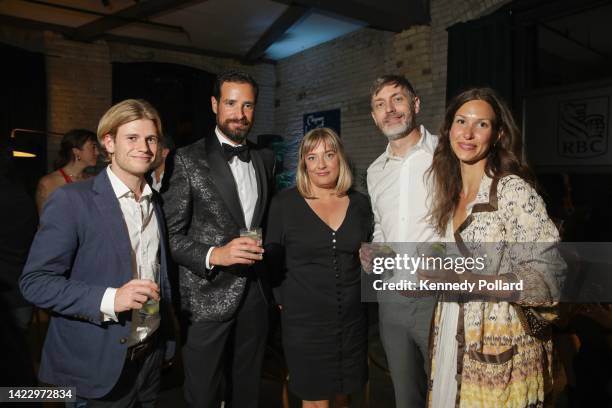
column 208, row 266
column 107, row 307
column 378, row 237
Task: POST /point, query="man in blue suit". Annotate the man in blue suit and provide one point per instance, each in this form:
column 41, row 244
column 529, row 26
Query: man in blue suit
column 98, row 262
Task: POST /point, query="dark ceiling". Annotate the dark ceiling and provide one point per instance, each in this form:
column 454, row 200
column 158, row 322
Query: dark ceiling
column 250, row 30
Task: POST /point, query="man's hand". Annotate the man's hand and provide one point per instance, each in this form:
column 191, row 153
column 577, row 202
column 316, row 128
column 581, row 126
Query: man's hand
column 134, row 293
column 366, row 255
column 243, row 250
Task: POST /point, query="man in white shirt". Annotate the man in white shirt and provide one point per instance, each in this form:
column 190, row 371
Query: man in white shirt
column 98, row 261
column 156, row 176
column 399, row 193
column 218, row 186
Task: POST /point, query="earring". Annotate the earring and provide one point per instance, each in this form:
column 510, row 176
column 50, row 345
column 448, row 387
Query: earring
column 78, row 158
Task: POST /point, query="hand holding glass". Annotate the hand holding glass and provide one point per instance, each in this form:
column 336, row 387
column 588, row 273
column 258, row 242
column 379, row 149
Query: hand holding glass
column 253, row 233
column 151, row 272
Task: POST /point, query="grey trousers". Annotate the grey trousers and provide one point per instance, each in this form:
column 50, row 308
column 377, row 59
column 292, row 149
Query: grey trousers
column 404, row 332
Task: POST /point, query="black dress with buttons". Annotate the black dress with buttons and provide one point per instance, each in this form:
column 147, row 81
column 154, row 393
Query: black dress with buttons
column 317, row 271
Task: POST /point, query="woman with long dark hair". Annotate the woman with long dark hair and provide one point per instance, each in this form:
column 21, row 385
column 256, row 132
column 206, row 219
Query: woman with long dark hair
column 497, row 351
column 78, row 150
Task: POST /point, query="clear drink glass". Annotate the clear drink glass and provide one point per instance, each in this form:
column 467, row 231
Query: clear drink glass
column 151, row 272
column 254, row 233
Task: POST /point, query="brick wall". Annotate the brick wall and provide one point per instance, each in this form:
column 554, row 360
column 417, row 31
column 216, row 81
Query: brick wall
column 78, row 87
column 338, row 74
column 335, row 75
column 79, row 78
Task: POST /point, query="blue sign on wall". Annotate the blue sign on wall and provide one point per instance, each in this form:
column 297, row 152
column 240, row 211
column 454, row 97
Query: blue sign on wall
column 329, row 119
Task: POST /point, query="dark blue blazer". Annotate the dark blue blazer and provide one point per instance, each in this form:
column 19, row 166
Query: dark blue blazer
column 82, row 247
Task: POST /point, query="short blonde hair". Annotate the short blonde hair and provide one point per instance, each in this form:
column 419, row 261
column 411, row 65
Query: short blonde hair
column 330, row 139
column 124, row 112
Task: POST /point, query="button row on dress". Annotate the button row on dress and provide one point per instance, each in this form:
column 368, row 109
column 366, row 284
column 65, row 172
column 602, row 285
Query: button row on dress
column 335, row 260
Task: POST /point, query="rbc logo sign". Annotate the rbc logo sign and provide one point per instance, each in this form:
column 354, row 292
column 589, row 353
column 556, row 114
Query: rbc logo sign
column 583, row 127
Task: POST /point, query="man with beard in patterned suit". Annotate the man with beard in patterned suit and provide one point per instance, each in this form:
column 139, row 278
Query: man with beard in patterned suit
column 219, row 185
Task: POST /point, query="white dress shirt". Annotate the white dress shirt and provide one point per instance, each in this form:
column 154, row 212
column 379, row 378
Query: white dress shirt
column 157, row 185
column 246, row 185
column 401, row 195
column 401, row 199
column 143, row 231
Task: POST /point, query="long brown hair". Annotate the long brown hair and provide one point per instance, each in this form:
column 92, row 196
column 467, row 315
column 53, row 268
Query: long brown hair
column 503, row 157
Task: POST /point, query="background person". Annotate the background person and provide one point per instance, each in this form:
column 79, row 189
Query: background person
column 156, row 177
column 78, row 150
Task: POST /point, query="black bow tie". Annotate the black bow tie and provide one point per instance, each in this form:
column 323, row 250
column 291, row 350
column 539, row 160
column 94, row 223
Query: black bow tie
column 242, row 151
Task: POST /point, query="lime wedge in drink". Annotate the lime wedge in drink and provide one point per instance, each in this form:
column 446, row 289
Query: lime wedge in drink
column 150, row 307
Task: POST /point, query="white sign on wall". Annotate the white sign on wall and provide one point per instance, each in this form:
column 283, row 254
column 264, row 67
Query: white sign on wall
column 569, row 128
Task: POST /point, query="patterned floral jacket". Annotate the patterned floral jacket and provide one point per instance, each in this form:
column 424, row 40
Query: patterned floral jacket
column 503, row 359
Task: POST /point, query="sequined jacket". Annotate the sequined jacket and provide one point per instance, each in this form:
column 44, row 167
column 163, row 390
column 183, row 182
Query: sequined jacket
column 202, row 209
column 503, row 359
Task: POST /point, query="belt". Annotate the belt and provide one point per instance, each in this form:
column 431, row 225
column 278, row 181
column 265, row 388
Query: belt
column 142, row 349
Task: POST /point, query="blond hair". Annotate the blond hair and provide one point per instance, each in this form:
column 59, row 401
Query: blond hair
column 124, row 112
column 330, row 139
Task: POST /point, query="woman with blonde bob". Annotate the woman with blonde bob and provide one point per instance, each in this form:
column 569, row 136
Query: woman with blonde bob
column 313, row 238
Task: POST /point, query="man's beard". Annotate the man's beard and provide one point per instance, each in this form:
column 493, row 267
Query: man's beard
column 238, row 135
column 400, row 130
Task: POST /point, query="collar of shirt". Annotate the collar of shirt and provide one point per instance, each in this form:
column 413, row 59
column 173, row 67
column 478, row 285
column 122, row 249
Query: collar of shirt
column 155, row 184
column 427, row 143
column 121, row 189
